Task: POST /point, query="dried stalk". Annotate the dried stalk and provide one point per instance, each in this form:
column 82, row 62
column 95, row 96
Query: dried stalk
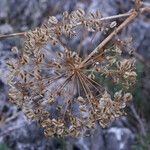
column 12, row 35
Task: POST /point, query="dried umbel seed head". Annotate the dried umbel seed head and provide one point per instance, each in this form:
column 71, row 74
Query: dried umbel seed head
column 55, row 87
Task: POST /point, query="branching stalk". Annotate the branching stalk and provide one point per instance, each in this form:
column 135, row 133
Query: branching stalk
column 105, row 41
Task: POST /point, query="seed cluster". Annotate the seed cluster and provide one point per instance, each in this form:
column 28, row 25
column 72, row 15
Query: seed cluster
column 55, row 90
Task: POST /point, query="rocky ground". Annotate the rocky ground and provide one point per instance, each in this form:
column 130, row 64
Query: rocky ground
column 17, row 133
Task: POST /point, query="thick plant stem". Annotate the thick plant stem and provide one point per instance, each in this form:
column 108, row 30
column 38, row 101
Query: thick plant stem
column 107, row 39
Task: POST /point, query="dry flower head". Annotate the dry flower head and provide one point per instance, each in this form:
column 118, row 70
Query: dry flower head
column 51, row 86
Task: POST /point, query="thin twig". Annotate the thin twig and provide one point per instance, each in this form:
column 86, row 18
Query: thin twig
column 145, row 9
column 12, row 35
column 116, row 16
